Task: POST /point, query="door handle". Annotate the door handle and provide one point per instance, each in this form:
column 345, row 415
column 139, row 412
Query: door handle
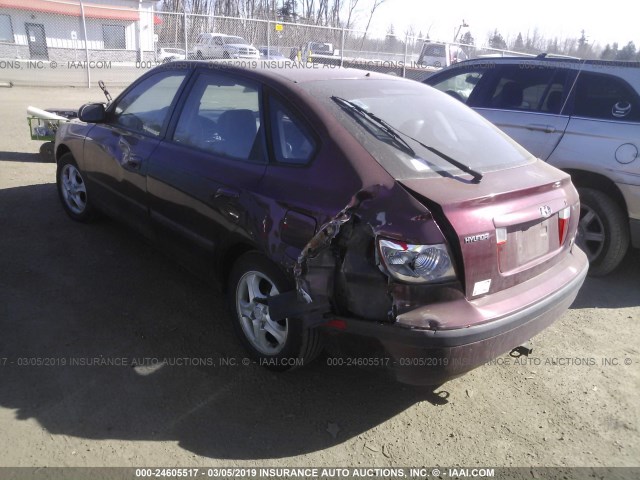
column 541, row 127
column 134, row 162
column 226, row 192
column 226, row 207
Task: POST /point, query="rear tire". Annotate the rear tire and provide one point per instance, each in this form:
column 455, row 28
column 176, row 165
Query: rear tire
column 277, row 346
column 72, row 190
column 603, row 231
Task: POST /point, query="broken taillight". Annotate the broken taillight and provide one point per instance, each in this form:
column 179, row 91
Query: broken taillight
column 416, row 263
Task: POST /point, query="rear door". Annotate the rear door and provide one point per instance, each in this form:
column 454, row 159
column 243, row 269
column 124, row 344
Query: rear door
column 526, row 101
column 117, row 152
column 605, row 122
column 202, row 178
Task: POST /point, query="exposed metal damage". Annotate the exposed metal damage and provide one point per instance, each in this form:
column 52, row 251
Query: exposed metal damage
column 339, row 272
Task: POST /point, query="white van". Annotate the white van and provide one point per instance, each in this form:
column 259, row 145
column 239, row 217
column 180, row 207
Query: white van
column 441, row 54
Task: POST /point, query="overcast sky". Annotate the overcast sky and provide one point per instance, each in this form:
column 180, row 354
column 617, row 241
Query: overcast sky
column 614, row 21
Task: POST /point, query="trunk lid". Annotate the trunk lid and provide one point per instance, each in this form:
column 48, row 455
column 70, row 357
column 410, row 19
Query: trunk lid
column 510, row 227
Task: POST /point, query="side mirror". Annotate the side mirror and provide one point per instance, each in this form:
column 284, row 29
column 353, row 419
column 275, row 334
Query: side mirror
column 92, row 113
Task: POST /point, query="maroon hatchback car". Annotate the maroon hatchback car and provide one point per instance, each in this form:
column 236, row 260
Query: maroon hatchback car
column 335, row 205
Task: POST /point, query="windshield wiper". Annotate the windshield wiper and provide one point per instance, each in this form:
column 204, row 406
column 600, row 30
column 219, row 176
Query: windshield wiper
column 397, row 135
column 380, row 123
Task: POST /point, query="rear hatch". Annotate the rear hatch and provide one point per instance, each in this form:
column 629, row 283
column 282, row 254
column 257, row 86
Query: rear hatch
column 510, row 227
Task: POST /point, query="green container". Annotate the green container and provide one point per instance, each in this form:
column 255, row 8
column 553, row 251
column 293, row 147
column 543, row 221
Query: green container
column 43, row 129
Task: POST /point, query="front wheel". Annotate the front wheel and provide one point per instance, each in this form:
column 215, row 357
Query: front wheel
column 72, row 190
column 603, row 231
column 277, row 345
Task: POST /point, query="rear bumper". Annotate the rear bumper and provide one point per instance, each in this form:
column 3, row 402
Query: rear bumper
column 422, row 356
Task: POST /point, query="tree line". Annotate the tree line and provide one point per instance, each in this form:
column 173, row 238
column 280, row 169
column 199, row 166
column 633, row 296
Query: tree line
column 344, row 13
column 329, row 13
column 581, row 47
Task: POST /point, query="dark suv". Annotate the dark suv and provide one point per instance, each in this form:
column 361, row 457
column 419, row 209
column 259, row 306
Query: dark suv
column 580, row 116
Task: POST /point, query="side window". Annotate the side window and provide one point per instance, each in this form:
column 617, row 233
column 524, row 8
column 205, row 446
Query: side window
column 292, row 142
column 145, row 109
column 527, row 87
column 6, row 30
column 605, row 97
column 113, row 36
column 462, row 84
column 222, row 116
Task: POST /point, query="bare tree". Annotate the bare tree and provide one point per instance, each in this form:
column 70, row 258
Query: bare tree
column 374, row 7
column 350, row 8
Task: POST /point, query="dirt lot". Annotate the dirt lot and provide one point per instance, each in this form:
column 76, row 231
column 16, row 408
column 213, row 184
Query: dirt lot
column 70, row 291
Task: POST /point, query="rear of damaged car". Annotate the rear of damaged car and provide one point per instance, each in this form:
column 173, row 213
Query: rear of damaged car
column 458, row 247
column 372, row 211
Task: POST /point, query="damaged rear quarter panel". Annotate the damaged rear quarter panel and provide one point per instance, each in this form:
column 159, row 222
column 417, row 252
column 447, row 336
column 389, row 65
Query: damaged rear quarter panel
column 353, row 201
column 340, row 266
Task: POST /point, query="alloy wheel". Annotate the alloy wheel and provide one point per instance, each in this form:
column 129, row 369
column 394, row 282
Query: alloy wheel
column 591, row 232
column 74, row 190
column 264, row 334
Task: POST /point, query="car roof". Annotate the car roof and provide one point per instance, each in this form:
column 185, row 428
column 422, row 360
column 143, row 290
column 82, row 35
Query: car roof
column 290, row 72
column 566, row 61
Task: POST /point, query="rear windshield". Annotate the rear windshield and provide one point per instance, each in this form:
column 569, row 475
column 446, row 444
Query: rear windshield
column 421, row 117
column 434, row 50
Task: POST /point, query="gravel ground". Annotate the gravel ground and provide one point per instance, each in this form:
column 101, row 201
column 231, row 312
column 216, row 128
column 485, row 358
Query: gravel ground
column 86, row 291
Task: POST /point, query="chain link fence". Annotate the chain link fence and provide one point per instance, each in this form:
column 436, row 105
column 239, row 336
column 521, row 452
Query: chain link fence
column 72, row 42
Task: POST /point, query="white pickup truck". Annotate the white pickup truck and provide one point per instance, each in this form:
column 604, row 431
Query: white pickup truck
column 218, row 45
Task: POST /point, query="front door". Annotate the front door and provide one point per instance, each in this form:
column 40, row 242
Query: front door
column 37, row 41
column 117, row 151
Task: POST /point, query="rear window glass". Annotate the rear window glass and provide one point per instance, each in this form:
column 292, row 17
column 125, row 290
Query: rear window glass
column 426, row 121
column 605, row 97
column 434, row 51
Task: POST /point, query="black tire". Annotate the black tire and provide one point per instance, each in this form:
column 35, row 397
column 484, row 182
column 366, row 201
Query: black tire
column 301, row 345
column 72, row 190
column 46, row 152
column 199, row 56
column 603, row 231
column 226, row 55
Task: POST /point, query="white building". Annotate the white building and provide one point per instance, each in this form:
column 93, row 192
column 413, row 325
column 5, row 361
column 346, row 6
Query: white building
column 116, row 30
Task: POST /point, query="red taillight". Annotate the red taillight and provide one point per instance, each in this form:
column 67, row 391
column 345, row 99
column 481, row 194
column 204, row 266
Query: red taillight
column 501, row 236
column 563, row 224
column 337, row 324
